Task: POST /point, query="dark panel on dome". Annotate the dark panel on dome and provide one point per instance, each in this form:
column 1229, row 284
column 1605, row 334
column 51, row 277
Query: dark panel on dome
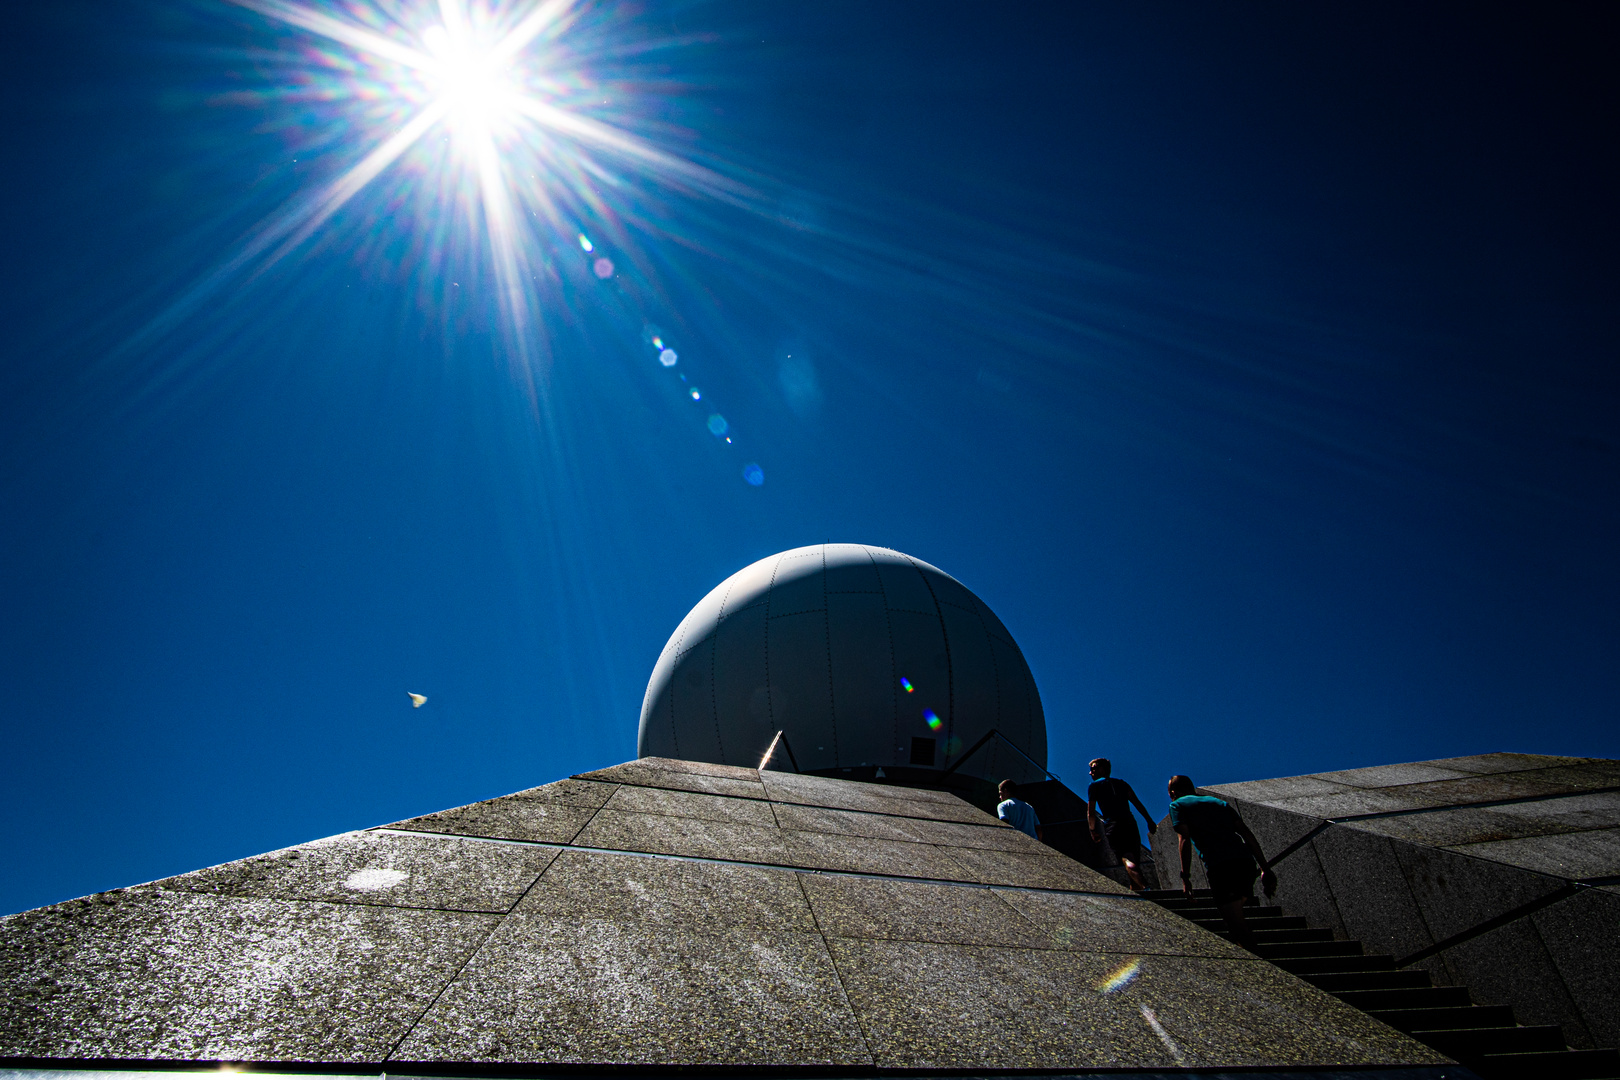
column 992, row 624
column 920, row 658
column 798, row 585
column 1018, row 706
column 945, row 589
column 903, row 585
column 974, row 702
column 850, row 569
column 801, row 685
column 742, row 696
column 862, row 672
column 692, row 691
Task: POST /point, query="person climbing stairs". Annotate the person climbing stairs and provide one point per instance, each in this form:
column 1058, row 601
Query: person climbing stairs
column 1485, row 1038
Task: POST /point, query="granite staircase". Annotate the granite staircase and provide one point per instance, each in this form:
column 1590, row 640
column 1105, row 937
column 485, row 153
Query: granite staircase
column 1485, row 1038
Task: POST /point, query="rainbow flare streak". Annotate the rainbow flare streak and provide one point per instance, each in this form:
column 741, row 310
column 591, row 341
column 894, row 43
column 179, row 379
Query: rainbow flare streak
column 1121, row 978
column 905, row 684
column 932, row 718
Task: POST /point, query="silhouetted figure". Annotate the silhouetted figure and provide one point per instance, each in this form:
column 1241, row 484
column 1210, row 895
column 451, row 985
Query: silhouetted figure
column 1108, row 810
column 1018, row 813
column 1230, row 852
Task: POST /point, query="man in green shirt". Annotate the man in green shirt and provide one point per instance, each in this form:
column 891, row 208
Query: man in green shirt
column 1229, row 850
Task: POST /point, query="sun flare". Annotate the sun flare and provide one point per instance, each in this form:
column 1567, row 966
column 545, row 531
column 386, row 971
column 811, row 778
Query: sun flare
column 526, row 158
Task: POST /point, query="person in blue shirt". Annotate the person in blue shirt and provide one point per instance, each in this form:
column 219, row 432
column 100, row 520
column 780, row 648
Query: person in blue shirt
column 1229, row 850
column 1108, row 810
column 1018, row 813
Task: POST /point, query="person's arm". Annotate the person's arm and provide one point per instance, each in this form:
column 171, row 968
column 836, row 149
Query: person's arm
column 1147, row 817
column 1184, row 849
column 1091, row 819
column 1268, row 876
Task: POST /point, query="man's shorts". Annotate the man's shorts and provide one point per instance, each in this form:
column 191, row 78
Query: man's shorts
column 1232, row 880
column 1125, row 841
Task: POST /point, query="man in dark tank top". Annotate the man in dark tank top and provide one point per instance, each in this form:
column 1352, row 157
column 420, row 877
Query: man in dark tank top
column 1108, row 810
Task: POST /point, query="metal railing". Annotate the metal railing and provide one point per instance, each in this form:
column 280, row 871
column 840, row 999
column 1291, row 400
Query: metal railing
column 995, row 733
column 780, row 740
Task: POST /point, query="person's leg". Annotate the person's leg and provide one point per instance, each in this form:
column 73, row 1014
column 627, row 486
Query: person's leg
column 1134, row 874
column 1127, row 845
column 1232, row 885
column 1232, row 912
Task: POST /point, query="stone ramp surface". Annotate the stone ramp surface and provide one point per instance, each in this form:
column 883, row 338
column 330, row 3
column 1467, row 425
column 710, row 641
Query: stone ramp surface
column 663, row 913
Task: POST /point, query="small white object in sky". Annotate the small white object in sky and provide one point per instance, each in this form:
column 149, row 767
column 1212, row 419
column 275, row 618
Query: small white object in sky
column 417, row 700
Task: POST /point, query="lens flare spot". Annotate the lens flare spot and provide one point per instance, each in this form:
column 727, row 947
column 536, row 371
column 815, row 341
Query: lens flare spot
column 933, row 719
column 953, row 745
column 667, row 357
column 1120, row 977
column 753, row 474
column 718, row 425
column 603, row 268
column 658, row 343
column 905, row 684
column 374, row 879
column 586, row 245
column 697, row 395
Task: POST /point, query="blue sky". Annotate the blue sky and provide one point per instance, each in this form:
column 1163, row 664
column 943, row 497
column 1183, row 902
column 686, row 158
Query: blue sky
column 1256, row 365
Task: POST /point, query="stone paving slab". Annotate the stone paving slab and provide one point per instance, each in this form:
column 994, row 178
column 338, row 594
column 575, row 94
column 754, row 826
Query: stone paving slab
column 385, row 869
column 1031, row 871
column 747, row 843
column 1087, row 923
column 596, row 991
column 647, row 800
column 701, row 768
column 154, row 973
column 510, row 817
column 916, row 911
column 1589, row 854
column 871, row 798
column 929, row 1005
column 655, row 776
column 881, row 826
column 1471, row 825
column 569, row 792
column 669, row 893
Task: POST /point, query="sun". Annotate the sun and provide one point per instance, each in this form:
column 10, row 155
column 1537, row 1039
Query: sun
column 471, row 80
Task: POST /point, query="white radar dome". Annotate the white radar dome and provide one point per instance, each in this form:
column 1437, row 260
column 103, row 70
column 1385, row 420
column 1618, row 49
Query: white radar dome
column 870, row 662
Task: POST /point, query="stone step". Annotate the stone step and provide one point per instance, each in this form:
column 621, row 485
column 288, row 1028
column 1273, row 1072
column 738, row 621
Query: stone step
column 1265, row 934
column 1467, row 1044
column 1343, row 962
column 1305, row 950
column 1573, row 1064
column 1260, row 922
column 1444, row 1018
column 1338, row 981
column 1416, row 997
